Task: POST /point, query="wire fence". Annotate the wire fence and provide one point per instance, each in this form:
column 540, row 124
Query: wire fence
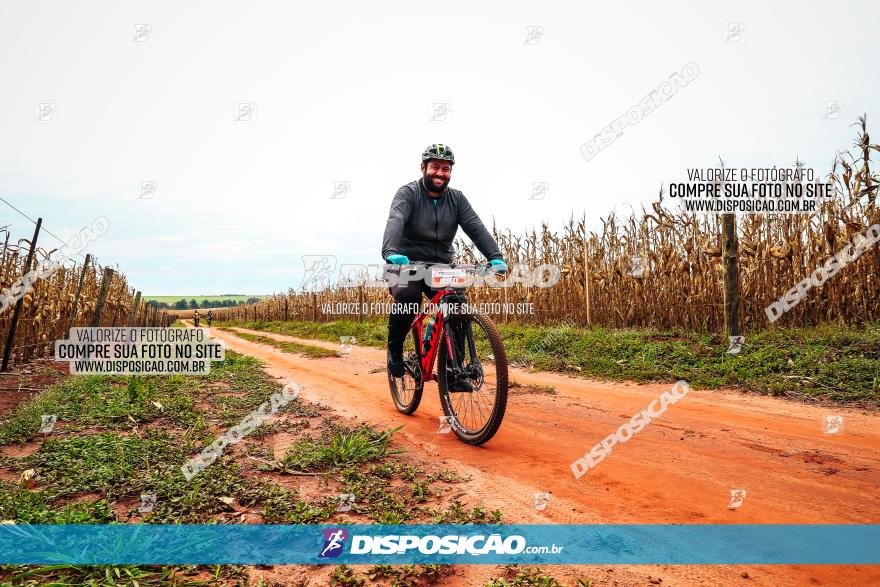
column 84, row 294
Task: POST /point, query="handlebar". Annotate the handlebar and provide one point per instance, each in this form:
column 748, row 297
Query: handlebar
column 431, row 264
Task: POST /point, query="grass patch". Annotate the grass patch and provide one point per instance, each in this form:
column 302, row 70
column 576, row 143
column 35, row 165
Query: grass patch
column 101, row 401
column 457, row 513
column 527, row 577
column 308, row 350
column 343, row 446
column 521, row 388
column 409, row 575
column 119, row 467
column 377, row 497
column 103, row 462
column 282, row 506
column 108, row 576
column 367, row 333
column 345, row 576
column 24, row 506
column 836, row 363
column 128, row 455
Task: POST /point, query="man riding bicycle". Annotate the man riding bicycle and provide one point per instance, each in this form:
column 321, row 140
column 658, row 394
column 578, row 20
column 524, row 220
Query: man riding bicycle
column 424, row 218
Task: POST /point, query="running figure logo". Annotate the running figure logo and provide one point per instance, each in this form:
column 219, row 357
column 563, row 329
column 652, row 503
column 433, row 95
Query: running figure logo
column 737, row 497
column 334, row 540
column 833, row 424
column 318, row 271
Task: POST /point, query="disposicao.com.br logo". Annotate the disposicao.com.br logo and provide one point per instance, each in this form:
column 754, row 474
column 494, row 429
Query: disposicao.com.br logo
column 449, row 544
column 334, row 542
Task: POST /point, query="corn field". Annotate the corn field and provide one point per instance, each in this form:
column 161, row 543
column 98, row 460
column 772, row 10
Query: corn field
column 48, row 309
column 681, row 287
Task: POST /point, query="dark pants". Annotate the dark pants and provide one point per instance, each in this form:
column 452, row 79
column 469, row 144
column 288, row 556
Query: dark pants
column 404, row 294
column 410, row 292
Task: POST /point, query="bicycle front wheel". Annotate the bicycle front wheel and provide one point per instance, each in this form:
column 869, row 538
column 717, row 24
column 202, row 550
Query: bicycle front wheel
column 478, row 357
column 406, row 391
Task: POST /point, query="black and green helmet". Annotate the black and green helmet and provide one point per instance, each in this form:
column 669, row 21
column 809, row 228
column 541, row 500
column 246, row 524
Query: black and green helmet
column 438, row 151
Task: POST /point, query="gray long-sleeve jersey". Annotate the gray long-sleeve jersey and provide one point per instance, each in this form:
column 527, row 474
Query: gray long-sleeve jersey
column 423, row 228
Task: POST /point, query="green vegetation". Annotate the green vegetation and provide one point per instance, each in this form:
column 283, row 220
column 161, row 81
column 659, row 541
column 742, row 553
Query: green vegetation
column 408, row 575
column 367, row 333
column 343, row 446
column 105, row 401
column 220, row 298
column 834, row 363
column 345, row 576
column 457, row 513
column 193, row 302
column 119, row 438
column 114, row 576
column 32, row 507
column 523, row 388
column 399, row 575
column 528, row 577
column 311, row 351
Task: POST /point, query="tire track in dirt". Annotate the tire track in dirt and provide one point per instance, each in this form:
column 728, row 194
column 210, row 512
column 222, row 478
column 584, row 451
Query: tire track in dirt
column 679, row 469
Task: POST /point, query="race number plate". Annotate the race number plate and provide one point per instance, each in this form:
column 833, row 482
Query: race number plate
column 448, row 277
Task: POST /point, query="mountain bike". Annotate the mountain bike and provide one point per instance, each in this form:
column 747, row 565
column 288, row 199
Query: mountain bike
column 466, row 345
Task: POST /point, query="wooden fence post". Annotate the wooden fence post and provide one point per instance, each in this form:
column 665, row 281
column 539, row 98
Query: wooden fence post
column 10, row 338
column 102, row 296
column 134, row 308
column 82, row 278
column 729, row 250
column 587, row 284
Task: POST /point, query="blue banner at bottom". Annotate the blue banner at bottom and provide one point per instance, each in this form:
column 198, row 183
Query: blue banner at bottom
column 546, row 544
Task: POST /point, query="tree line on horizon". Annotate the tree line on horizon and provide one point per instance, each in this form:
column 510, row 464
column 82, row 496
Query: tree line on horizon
column 192, row 304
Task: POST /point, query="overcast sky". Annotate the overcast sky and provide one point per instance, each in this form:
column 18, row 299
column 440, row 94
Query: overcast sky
column 346, row 92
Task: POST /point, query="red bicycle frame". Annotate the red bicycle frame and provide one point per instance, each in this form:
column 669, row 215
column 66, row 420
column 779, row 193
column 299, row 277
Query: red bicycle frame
column 427, row 355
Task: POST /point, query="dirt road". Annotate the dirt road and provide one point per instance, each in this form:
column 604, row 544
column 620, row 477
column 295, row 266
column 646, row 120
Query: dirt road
column 680, row 469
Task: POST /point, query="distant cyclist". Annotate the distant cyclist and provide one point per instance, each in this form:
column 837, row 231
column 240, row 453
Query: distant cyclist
column 210, row 317
column 196, row 318
column 424, row 218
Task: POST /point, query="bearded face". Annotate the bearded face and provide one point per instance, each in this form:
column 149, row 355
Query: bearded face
column 436, row 175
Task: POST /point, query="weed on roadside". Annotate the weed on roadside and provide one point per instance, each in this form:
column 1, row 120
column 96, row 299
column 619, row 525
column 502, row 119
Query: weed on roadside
column 523, row 577
column 342, row 446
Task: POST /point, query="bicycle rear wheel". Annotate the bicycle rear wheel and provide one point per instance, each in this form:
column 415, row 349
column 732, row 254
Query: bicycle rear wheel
column 479, row 355
column 406, row 391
